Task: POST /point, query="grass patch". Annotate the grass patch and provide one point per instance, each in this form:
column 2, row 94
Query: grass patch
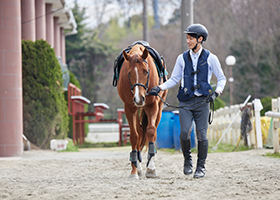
column 226, row 147
column 273, row 155
column 171, row 151
column 100, row 145
column 70, row 147
column 221, row 148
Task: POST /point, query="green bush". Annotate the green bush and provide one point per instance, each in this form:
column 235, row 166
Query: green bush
column 45, row 114
column 219, row 103
column 266, row 102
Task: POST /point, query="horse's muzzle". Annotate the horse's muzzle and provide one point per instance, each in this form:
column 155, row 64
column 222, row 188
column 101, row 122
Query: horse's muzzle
column 139, row 102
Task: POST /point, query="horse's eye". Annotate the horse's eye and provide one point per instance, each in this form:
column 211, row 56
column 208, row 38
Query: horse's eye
column 137, row 61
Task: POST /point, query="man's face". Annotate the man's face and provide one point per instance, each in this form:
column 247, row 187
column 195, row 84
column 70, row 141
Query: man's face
column 192, row 41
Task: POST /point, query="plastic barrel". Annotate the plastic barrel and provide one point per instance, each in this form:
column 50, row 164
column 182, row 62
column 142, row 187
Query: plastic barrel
column 165, row 131
column 177, row 132
column 192, row 138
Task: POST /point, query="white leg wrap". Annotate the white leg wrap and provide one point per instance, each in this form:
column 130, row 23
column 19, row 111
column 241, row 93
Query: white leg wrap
column 152, row 163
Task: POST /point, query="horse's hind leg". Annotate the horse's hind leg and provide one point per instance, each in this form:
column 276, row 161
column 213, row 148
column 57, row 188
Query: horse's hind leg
column 139, row 166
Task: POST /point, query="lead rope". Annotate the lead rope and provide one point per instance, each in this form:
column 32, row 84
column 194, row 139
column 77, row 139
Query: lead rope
column 211, row 113
column 211, row 116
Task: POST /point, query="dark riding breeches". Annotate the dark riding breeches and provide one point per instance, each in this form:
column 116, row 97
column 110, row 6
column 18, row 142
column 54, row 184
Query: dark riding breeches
column 196, row 111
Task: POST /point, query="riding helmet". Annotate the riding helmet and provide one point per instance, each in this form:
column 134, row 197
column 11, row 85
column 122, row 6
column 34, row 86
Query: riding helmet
column 197, row 30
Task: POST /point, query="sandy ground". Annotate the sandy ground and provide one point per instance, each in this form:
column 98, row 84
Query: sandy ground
column 103, row 174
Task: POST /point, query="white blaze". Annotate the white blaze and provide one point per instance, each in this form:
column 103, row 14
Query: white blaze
column 136, row 94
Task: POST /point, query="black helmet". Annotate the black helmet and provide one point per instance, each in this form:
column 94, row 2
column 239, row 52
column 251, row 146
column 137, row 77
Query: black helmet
column 197, row 30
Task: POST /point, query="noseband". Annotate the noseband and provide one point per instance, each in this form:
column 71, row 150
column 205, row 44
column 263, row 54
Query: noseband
column 140, row 84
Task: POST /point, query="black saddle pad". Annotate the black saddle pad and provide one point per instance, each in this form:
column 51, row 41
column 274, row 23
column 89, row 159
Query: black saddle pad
column 155, row 55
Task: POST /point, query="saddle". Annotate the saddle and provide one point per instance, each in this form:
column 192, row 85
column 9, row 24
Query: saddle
column 158, row 59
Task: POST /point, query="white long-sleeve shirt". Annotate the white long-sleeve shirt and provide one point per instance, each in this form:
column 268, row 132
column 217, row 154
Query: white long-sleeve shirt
column 214, row 66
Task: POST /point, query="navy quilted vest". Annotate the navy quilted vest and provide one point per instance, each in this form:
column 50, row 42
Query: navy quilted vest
column 202, row 86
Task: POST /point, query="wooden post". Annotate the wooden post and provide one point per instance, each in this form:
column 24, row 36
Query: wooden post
column 275, row 105
column 145, row 21
column 120, row 121
column 258, row 107
column 252, row 132
column 186, row 20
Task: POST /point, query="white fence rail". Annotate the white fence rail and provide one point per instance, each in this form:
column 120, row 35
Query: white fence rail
column 231, row 120
column 226, row 127
column 223, row 118
column 275, row 114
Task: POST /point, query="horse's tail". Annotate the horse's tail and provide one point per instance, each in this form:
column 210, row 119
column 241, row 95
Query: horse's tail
column 144, row 124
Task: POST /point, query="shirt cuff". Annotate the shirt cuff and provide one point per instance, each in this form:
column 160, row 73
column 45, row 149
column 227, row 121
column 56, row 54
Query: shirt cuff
column 219, row 90
column 163, row 87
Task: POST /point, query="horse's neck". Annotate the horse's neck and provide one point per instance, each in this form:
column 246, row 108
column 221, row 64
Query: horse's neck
column 136, row 50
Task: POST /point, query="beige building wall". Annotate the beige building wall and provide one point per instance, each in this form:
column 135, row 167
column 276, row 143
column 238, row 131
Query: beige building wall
column 62, row 46
column 40, row 12
column 49, row 25
column 10, row 79
column 30, row 20
column 56, row 34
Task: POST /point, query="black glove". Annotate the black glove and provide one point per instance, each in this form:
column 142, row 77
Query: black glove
column 212, row 97
column 154, row 91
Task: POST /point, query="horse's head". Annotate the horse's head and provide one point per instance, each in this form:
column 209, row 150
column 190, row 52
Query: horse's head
column 138, row 74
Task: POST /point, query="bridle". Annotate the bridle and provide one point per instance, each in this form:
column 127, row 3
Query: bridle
column 140, row 84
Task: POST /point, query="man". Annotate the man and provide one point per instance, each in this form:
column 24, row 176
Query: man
column 194, row 68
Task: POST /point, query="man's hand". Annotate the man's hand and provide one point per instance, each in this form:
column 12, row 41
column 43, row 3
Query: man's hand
column 212, row 97
column 154, row 91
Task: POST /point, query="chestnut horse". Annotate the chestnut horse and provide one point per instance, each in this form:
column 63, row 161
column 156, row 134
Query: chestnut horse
column 143, row 112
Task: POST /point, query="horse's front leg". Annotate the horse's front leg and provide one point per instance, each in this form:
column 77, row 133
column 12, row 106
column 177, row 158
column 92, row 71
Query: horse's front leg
column 131, row 113
column 152, row 113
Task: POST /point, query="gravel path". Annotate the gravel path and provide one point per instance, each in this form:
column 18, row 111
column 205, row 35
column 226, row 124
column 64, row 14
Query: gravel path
column 103, row 174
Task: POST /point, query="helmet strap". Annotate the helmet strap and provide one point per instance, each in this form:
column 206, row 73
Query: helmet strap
column 196, row 44
column 195, row 47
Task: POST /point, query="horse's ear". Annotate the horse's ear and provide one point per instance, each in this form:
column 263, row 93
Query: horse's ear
column 125, row 55
column 145, row 54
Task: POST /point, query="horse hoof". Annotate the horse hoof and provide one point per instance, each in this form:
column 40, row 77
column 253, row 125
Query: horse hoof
column 151, row 173
column 133, row 176
column 140, row 173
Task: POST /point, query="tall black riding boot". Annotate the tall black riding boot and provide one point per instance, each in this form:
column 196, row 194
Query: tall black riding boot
column 186, row 149
column 201, row 157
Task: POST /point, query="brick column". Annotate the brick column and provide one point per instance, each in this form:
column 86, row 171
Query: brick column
column 10, row 79
column 49, row 25
column 40, row 12
column 28, row 20
column 62, row 46
column 56, row 36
